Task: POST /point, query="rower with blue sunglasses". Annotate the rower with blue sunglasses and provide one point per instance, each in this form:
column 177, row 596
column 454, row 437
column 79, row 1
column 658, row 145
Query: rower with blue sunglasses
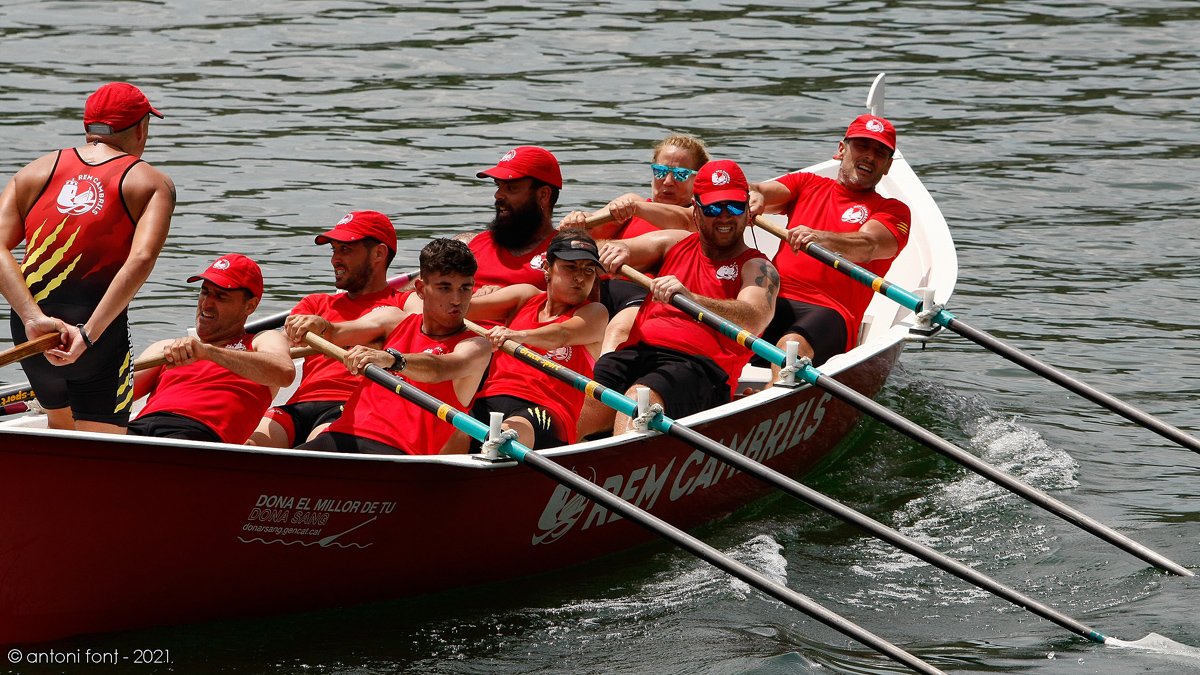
column 673, row 167
column 820, row 307
column 687, row 366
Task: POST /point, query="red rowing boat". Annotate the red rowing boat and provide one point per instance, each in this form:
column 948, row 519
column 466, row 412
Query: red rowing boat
column 104, row 533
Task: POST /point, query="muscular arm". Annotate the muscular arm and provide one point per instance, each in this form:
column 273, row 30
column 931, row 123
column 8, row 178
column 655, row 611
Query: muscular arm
column 586, row 327
column 870, row 242
column 642, row 252
column 371, row 327
column 269, row 363
column 774, row 196
column 501, row 304
column 754, row 305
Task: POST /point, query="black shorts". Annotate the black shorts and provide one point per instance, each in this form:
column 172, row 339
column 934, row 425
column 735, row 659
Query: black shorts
column 299, row 419
column 333, row 441
column 98, row 387
column 170, row 425
column 619, row 294
column 687, row 383
column 547, row 431
column 824, row 328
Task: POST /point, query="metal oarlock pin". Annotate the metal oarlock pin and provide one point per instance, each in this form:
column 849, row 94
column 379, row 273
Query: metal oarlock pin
column 787, row 374
column 490, row 451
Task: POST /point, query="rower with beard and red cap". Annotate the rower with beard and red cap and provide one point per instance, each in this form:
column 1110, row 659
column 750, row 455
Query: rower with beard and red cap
column 94, row 219
column 511, row 251
column 215, row 385
column 819, row 307
column 687, row 366
column 362, row 245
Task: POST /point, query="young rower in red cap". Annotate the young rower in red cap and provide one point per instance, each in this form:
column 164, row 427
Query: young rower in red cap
column 362, row 245
column 687, row 366
column 564, row 323
column 215, row 386
column 93, row 219
column 820, row 307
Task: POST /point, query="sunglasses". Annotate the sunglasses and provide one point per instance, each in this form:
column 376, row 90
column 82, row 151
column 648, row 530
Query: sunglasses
column 714, row 210
column 680, row 173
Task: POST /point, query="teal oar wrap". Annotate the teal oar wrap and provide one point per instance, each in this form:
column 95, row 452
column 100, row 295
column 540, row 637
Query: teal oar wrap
column 947, row 320
column 914, row 431
column 724, row 453
column 479, row 431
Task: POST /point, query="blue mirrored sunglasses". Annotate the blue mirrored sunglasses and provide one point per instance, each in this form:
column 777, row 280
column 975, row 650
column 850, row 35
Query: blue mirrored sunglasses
column 680, row 173
column 714, row 210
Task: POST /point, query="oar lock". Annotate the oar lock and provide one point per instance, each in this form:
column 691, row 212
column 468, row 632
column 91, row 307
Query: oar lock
column 490, row 450
column 924, row 328
column 792, row 364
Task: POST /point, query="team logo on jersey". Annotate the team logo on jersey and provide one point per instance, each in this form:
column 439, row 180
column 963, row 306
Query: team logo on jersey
column 508, row 156
column 560, row 354
column 537, row 262
column 436, row 350
column 81, row 194
column 720, row 177
column 874, row 125
column 727, row 272
column 856, row 214
column 240, row 346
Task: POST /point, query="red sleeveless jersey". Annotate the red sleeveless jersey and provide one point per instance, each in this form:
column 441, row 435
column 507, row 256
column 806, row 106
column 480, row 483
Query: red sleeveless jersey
column 325, row 379
column 213, row 395
column 824, row 204
column 377, row 413
column 662, row 325
column 79, row 231
column 511, row 377
column 498, row 267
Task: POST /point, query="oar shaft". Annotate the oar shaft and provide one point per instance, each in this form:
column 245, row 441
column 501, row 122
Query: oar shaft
column 864, row 403
column 991, row 343
column 721, row 561
column 479, row 431
column 1083, row 389
column 724, row 453
column 29, row 348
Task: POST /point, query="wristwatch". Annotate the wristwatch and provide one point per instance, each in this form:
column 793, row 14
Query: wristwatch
column 400, row 363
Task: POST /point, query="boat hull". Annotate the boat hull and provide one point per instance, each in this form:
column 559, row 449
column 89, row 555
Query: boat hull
column 108, row 533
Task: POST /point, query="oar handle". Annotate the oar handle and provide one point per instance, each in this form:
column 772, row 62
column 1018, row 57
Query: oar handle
column 601, row 217
column 26, row 349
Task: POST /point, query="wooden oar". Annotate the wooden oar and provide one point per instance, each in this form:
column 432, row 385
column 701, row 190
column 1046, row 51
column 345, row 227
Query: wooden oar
column 660, row 422
column 524, row 455
column 914, row 431
column 991, row 343
column 27, row 349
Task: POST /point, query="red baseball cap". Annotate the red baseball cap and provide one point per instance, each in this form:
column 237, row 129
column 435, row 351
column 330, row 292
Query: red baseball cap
column 115, row 107
column 526, row 161
column 231, row 271
column 877, row 128
column 721, row 180
column 357, row 225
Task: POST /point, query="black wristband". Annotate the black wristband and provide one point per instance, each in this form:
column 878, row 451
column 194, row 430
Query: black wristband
column 400, row 364
column 87, row 339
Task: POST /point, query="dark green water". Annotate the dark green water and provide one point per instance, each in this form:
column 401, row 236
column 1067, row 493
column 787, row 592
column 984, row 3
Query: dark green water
column 1060, row 138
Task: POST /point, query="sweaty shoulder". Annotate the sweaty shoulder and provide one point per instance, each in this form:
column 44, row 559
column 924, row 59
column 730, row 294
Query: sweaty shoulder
column 143, row 183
